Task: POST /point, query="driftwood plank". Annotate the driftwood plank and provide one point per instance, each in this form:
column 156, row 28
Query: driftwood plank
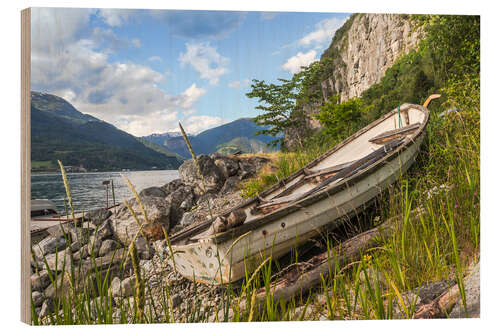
column 293, row 282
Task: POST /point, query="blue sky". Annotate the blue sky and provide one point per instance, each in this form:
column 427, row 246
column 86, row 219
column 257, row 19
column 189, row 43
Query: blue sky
column 145, row 70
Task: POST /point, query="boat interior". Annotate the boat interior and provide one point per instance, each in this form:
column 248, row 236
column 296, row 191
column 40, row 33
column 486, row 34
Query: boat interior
column 354, row 154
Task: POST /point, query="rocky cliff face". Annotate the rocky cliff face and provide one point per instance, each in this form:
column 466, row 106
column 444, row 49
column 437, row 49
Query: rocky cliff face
column 362, row 50
column 368, row 48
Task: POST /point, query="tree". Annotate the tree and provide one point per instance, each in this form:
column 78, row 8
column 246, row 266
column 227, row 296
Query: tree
column 342, row 119
column 282, row 102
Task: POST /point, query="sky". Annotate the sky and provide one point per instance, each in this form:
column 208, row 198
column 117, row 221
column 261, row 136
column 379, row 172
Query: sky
column 145, row 70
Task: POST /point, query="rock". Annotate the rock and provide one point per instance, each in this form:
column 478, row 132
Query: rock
column 424, row 294
column 37, row 298
column 104, row 231
column 125, row 226
column 82, row 253
column 213, row 176
column 229, row 166
column 230, row 185
column 49, row 245
column 85, row 277
column 187, row 219
column 172, row 186
column 61, row 259
column 47, row 308
column 94, row 245
column 108, row 246
column 160, row 246
column 123, row 288
column 204, row 198
column 144, row 250
column 97, row 216
column 75, row 246
column 182, row 196
column 40, row 281
column 154, row 191
column 472, row 288
column 80, row 234
column 246, row 170
column 176, row 300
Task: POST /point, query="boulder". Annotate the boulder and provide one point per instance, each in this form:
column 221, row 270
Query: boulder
column 187, row 219
column 80, row 234
column 125, row 226
column 108, row 246
column 97, row 216
column 104, row 231
column 75, row 246
column 472, row 290
column 228, row 165
column 47, row 308
column 172, row 186
column 212, row 174
column 58, row 261
column 246, row 170
column 37, row 298
column 82, row 253
column 40, row 280
column 144, row 250
column 48, row 246
column 123, row 288
column 231, row 185
column 153, row 192
column 180, row 200
column 94, row 245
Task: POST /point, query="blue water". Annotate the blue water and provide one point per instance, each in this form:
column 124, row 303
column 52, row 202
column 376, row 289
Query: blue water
column 87, row 190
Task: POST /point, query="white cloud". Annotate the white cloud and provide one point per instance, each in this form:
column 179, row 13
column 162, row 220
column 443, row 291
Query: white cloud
column 238, row 84
column 154, row 58
column 205, row 60
column 324, row 32
column 294, row 64
column 52, row 28
column 124, row 94
column 115, row 17
column 197, row 124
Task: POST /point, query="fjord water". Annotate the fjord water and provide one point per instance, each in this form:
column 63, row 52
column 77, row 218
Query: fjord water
column 87, row 190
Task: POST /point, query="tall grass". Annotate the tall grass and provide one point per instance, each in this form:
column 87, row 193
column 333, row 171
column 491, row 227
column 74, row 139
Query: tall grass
column 437, row 244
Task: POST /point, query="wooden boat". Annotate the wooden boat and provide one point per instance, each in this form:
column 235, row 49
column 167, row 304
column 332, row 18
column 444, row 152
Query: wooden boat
column 319, row 195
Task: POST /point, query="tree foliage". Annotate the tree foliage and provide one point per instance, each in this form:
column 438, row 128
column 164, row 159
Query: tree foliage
column 281, row 102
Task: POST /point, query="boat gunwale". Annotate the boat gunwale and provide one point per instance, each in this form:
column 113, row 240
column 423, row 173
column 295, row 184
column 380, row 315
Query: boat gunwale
column 327, row 191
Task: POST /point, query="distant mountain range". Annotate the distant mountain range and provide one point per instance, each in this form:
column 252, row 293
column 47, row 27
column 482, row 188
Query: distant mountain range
column 61, row 132
column 227, row 138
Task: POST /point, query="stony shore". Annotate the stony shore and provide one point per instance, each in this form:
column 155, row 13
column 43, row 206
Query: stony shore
column 107, row 234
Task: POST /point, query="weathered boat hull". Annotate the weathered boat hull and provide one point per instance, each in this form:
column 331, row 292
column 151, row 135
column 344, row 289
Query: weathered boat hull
column 219, row 259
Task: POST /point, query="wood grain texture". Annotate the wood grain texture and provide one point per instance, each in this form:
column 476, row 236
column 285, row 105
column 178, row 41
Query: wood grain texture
column 25, row 164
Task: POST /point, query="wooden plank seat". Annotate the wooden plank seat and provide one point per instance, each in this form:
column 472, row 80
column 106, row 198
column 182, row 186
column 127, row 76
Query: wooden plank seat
column 394, row 134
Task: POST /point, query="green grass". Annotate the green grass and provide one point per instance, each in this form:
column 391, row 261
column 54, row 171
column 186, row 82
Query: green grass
column 436, row 245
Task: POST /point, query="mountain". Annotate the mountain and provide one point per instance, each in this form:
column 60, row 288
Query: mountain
column 61, row 132
column 208, row 141
column 160, row 138
column 245, row 145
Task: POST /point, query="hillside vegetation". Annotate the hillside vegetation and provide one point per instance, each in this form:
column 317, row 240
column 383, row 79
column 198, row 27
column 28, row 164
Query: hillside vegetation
column 60, row 132
column 444, row 182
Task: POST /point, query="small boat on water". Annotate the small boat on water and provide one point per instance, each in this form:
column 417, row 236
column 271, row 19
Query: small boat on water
column 320, row 195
